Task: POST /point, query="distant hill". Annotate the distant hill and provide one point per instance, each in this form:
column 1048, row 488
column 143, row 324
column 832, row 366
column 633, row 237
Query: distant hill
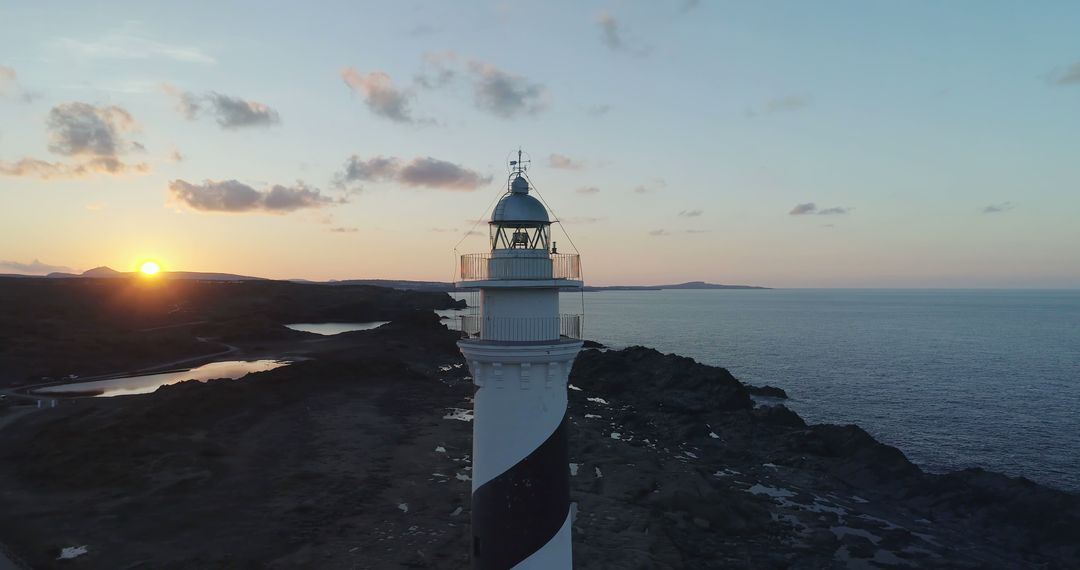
column 687, row 285
column 104, row 272
column 110, row 273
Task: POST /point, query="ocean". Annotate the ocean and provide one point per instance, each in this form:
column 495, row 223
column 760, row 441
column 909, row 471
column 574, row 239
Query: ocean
column 953, row 378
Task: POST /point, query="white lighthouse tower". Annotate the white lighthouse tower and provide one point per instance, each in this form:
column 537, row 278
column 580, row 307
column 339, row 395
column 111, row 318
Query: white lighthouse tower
column 520, row 350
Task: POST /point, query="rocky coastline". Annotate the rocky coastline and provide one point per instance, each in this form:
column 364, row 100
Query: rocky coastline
column 359, row 458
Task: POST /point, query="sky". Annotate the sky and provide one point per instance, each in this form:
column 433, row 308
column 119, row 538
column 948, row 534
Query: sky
column 784, row 144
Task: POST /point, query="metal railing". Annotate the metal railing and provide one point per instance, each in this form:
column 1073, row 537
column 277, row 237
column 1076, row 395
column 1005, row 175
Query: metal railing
column 518, row 328
column 487, row 266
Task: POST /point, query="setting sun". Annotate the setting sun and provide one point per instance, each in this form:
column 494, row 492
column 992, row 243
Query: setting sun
column 149, row 268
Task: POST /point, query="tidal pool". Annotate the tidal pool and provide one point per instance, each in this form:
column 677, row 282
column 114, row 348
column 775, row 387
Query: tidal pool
column 147, row 383
column 327, row 329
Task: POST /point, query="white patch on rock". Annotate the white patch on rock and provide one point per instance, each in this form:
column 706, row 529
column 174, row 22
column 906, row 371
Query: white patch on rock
column 456, row 512
column 592, row 416
column 459, row 414
column 690, row 454
column 598, row 400
column 598, row 473
column 713, row 435
column 769, row 465
column 463, row 477
column 616, row 435
column 440, row 449
column 73, row 552
column 574, row 468
column 775, row 492
column 404, row 507
column 572, row 387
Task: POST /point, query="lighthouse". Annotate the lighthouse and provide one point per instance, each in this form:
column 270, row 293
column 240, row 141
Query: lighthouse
column 520, row 349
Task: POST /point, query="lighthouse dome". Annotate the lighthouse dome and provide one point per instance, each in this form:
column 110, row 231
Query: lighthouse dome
column 518, row 206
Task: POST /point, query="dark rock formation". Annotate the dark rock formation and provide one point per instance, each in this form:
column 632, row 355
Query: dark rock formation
column 767, row 392
column 355, row 459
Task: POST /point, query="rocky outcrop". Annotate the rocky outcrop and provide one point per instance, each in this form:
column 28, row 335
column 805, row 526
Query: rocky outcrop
column 360, row 457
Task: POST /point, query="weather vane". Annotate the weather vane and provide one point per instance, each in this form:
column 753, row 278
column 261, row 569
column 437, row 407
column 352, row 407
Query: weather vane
column 518, row 166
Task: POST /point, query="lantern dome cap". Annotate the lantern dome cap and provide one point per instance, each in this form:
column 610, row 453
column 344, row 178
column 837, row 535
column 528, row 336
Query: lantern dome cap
column 519, row 207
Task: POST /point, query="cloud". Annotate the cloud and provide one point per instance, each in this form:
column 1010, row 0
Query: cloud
column 652, row 186
column 236, row 197
column 434, row 173
column 998, row 208
column 660, row 233
column 45, row 170
column 691, row 213
column 564, row 162
column 7, row 78
column 696, row 231
column 581, row 220
column 9, row 86
column 588, row 190
column 444, row 230
column 94, row 136
column 419, row 172
column 1070, row 76
column 234, row 113
column 229, row 112
column 506, row 95
column 437, row 69
column 611, row 36
column 176, row 156
column 132, row 46
column 343, row 230
column 377, row 169
column 598, row 110
column 780, row 105
column 35, row 267
column 811, row 208
column 81, row 129
column 380, row 94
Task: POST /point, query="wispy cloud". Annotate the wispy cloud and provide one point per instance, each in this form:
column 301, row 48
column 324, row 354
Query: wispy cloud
column 426, row 172
column 35, row 267
column 344, row 230
column 1068, row 76
column 380, row 94
column 660, row 233
column 229, row 112
column 696, row 231
column 612, row 37
column 588, row 190
column 231, row 196
column 505, row 95
column 130, row 44
column 439, row 69
column 998, row 208
column 598, row 110
column 691, row 213
column 654, row 185
column 783, row 104
column 811, row 208
column 564, row 162
column 10, row 88
column 582, row 220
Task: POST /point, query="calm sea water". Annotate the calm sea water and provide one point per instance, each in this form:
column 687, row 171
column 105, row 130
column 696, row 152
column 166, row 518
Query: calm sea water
column 952, row 378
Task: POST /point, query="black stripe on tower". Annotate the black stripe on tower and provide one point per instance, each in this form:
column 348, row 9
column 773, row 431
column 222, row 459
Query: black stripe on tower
column 518, row 512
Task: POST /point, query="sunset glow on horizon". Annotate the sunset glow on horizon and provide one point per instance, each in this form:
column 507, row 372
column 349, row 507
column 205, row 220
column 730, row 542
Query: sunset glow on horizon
column 785, row 145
